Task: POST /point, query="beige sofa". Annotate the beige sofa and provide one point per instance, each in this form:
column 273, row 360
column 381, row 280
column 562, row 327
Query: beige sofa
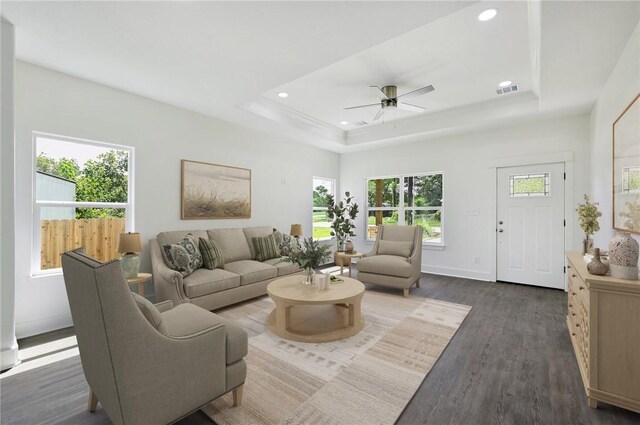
column 241, row 277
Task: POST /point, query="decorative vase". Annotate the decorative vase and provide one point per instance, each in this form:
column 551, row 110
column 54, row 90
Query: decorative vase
column 596, row 266
column 309, row 276
column 623, row 257
column 349, row 247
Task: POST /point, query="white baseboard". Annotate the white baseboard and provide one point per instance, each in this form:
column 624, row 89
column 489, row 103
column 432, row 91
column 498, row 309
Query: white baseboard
column 45, row 324
column 454, row 272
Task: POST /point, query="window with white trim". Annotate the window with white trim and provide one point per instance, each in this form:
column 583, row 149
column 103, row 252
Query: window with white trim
column 83, row 197
column 411, row 199
column 322, row 188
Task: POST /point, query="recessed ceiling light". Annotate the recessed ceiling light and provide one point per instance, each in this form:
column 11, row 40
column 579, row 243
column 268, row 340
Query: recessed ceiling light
column 283, row 94
column 505, row 83
column 344, row 122
column 487, row 14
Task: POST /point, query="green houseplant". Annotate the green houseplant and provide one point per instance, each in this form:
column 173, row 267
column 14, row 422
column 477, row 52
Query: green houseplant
column 588, row 218
column 342, row 215
column 309, row 255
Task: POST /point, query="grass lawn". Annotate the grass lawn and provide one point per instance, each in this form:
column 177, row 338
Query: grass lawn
column 321, row 232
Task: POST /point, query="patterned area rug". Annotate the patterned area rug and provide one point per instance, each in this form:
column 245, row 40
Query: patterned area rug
column 366, row 379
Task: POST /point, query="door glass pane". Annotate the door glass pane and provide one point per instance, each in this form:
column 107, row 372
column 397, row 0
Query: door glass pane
column 377, row 218
column 429, row 220
column 526, row 185
column 423, row 191
column 384, row 192
column 63, row 229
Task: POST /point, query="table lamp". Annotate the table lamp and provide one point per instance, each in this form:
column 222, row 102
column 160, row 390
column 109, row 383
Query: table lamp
column 129, row 245
column 296, row 232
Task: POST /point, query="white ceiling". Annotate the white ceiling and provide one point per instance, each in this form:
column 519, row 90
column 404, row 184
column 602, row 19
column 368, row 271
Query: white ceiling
column 230, row 59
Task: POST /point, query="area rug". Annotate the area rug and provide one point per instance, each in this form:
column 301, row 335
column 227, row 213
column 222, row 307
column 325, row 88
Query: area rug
column 366, row 379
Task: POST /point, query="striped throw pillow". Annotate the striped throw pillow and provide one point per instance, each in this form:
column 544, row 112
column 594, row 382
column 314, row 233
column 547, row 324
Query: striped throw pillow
column 266, row 248
column 211, row 254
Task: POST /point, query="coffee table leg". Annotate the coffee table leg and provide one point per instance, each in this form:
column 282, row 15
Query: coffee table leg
column 355, row 314
column 281, row 317
column 349, row 267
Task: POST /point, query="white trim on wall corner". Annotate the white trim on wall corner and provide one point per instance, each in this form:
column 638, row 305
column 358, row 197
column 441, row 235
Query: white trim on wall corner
column 455, row 272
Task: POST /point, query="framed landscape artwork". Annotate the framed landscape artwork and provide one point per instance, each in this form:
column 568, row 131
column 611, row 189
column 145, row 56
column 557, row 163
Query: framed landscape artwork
column 626, row 169
column 214, row 191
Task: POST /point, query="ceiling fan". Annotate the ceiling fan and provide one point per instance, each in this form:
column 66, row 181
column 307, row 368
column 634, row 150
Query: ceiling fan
column 389, row 99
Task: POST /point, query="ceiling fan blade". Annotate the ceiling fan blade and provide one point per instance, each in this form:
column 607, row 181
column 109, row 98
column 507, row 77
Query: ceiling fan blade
column 382, row 95
column 363, row 106
column 418, row 92
column 410, row 107
column 379, row 114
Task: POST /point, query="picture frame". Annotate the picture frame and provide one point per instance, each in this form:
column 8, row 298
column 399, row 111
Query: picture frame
column 626, row 169
column 214, row 191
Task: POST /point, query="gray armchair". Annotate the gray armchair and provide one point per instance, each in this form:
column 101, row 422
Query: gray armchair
column 148, row 364
column 395, row 259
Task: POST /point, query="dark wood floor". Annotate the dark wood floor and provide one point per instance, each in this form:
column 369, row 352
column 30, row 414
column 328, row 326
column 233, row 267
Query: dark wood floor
column 511, row 362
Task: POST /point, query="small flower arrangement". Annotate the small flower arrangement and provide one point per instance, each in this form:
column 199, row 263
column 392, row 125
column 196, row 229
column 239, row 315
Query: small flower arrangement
column 310, row 255
column 588, row 214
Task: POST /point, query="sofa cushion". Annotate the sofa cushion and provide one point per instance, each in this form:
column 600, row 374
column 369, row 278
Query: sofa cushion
column 186, row 319
column 233, row 243
column 150, row 312
column 251, row 271
column 183, row 256
column 212, row 257
column 177, row 235
column 283, row 267
column 256, row 232
column 204, row 281
column 283, row 240
column 390, row 265
column 265, row 248
column 402, row 249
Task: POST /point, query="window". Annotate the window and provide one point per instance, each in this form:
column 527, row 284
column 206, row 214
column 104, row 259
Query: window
column 322, row 188
column 409, row 199
column 83, row 198
column 529, row 185
column 631, row 179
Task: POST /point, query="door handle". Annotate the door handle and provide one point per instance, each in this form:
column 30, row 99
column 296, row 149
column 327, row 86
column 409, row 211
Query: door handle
column 501, row 222
column 500, row 230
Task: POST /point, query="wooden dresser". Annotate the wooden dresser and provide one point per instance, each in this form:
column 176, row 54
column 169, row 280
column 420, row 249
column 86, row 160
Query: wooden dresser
column 603, row 318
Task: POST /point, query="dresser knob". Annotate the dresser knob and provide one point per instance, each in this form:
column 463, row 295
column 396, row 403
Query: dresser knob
column 570, row 305
column 573, row 314
column 573, row 334
column 573, row 275
column 574, row 293
column 581, row 288
column 578, row 325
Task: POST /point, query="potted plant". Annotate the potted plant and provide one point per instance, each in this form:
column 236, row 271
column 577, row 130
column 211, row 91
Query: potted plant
column 588, row 218
column 342, row 216
column 309, row 255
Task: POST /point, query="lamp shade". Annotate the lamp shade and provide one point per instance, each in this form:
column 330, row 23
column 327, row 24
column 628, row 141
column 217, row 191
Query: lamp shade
column 296, row 230
column 129, row 242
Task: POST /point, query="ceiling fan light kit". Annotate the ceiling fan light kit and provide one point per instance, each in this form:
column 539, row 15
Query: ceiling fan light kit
column 389, row 100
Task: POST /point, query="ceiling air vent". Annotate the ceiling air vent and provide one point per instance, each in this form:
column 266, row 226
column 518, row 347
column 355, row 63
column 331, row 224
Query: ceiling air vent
column 360, row 123
column 508, row 89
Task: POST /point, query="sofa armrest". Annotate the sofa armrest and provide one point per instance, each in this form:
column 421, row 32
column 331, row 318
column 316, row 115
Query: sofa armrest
column 416, row 255
column 164, row 306
column 168, row 284
column 374, row 250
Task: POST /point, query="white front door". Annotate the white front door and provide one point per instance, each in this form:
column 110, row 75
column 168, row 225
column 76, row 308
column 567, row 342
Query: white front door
column 530, row 225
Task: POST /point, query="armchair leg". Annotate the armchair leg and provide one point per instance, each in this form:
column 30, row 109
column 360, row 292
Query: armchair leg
column 93, row 401
column 237, row 396
column 406, row 292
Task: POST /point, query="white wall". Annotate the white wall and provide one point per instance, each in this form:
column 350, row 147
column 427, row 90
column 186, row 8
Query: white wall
column 621, row 87
column 469, row 182
column 8, row 343
column 162, row 135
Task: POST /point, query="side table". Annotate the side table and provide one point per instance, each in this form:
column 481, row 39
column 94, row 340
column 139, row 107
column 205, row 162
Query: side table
column 141, row 279
column 343, row 259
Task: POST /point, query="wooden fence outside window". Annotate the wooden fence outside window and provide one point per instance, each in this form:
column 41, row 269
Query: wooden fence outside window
column 99, row 236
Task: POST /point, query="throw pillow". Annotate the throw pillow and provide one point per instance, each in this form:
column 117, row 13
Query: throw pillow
column 150, row 312
column 265, row 248
column 401, row 249
column 211, row 254
column 183, row 256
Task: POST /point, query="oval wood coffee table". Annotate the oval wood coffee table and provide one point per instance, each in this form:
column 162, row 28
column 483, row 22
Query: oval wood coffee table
column 307, row 314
